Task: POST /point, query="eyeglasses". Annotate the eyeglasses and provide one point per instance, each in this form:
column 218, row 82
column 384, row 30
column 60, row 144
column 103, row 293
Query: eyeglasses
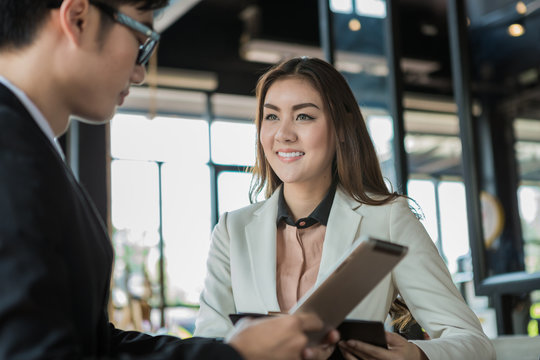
column 146, row 49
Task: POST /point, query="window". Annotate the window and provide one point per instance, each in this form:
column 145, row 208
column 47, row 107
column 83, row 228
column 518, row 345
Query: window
column 161, row 160
column 371, row 8
column 423, row 194
column 434, row 153
column 233, row 143
column 529, row 210
column 454, row 230
column 528, row 154
column 178, row 161
column 232, row 190
column 382, row 134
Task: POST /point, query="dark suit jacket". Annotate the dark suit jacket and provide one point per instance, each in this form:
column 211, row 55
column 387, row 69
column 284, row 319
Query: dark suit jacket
column 56, row 260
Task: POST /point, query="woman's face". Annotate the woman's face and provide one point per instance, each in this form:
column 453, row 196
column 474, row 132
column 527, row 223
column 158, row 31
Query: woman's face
column 296, row 133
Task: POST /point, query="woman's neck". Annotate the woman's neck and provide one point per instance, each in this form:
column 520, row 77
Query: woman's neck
column 302, row 199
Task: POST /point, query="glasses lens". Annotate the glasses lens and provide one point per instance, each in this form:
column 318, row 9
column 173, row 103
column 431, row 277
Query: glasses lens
column 145, row 51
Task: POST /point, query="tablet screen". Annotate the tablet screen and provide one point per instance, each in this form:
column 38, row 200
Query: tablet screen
column 359, row 271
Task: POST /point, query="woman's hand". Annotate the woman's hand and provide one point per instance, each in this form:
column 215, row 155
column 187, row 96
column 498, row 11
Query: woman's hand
column 398, row 348
column 324, row 350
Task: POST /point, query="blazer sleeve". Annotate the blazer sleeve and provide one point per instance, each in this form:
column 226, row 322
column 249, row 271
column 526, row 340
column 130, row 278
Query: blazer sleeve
column 217, row 300
column 424, row 282
column 133, row 345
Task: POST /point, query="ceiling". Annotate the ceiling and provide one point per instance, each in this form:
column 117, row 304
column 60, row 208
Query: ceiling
column 211, row 36
column 208, row 35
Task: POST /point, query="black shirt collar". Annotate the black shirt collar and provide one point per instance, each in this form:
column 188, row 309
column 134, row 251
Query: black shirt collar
column 319, row 215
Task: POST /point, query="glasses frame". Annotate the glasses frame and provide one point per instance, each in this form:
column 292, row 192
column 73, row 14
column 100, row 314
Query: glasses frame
column 145, row 50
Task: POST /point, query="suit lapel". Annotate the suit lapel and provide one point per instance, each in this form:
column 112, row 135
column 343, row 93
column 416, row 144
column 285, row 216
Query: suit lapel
column 261, row 239
column 8, row 98
column 341, row 232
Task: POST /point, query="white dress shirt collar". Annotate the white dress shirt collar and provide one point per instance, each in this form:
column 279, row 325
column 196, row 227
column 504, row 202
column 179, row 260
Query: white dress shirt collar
column 34, row 111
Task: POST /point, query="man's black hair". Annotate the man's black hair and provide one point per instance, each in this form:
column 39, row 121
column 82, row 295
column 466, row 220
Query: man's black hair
column 20, row 20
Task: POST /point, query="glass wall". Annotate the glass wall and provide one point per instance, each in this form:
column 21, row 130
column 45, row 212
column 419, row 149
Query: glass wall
column 436, row 186
column 527, row 150
column 361, row 57
column 172, row 176
column 161, row 160
column 233, row 143
column 185, row 152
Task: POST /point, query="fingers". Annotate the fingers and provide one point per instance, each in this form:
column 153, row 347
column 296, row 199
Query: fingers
column 318, row 352
column 365, row 350
column 393, row 339
column 308, row 353
column 287, row 341
column 242, row 323
column 331, row 338
column 310, row 322
column 346, row 354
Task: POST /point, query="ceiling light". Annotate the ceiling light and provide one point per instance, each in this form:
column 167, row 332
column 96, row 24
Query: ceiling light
column 175, row 10
column 341, row 6
column 528, row 77
column 268, row 51
column 516, row 30
column 354, row 25
column 521, row 8
column 183, row 79
column 429, row 29
column 353, row 68
column 371, row 8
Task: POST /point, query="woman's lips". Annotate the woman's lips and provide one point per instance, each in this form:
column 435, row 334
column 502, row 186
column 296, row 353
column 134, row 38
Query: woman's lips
column 290, row 155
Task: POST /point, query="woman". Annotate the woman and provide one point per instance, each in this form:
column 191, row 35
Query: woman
column 324, row 188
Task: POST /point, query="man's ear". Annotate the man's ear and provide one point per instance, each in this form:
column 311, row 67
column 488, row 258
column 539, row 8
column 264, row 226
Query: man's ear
column 74, row 18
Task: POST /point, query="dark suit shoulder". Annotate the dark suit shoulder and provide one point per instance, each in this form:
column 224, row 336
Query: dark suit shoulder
column 20, row 136
column 31, row 173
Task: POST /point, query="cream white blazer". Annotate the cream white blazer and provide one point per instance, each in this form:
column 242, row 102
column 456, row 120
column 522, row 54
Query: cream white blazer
column 242, row 273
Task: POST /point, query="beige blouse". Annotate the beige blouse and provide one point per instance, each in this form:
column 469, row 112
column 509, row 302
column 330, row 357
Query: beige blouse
column 298, row 257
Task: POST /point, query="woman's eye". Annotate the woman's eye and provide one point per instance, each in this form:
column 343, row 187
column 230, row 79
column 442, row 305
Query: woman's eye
column 304, row 117
column 270, row 117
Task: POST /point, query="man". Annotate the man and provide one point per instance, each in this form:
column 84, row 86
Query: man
column 57, row 59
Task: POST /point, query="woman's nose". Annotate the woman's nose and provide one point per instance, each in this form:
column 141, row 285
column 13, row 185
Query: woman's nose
column 286, row 132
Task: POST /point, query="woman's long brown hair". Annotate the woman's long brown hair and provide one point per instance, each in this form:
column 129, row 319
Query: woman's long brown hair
column 356, row 166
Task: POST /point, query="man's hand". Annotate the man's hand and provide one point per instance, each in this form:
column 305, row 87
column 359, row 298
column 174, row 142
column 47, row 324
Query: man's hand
column 324, row 350
column 280, row 338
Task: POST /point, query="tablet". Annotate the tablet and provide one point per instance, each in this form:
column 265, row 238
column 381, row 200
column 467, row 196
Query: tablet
column 359, row 271
column 236, row 317
column 371, row 332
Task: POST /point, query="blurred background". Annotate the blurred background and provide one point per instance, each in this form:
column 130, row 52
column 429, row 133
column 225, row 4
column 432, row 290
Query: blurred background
column 450, row 93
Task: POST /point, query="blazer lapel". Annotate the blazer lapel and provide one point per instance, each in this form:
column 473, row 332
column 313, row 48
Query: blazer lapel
column 261, row 240
column 341, row 232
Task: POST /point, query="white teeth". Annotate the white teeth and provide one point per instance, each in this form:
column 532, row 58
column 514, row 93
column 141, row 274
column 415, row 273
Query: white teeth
column 290, row 154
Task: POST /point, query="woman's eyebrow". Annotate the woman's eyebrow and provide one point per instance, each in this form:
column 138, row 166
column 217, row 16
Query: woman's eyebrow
column 270, row 106
column 304, row 105
column 295, row 107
